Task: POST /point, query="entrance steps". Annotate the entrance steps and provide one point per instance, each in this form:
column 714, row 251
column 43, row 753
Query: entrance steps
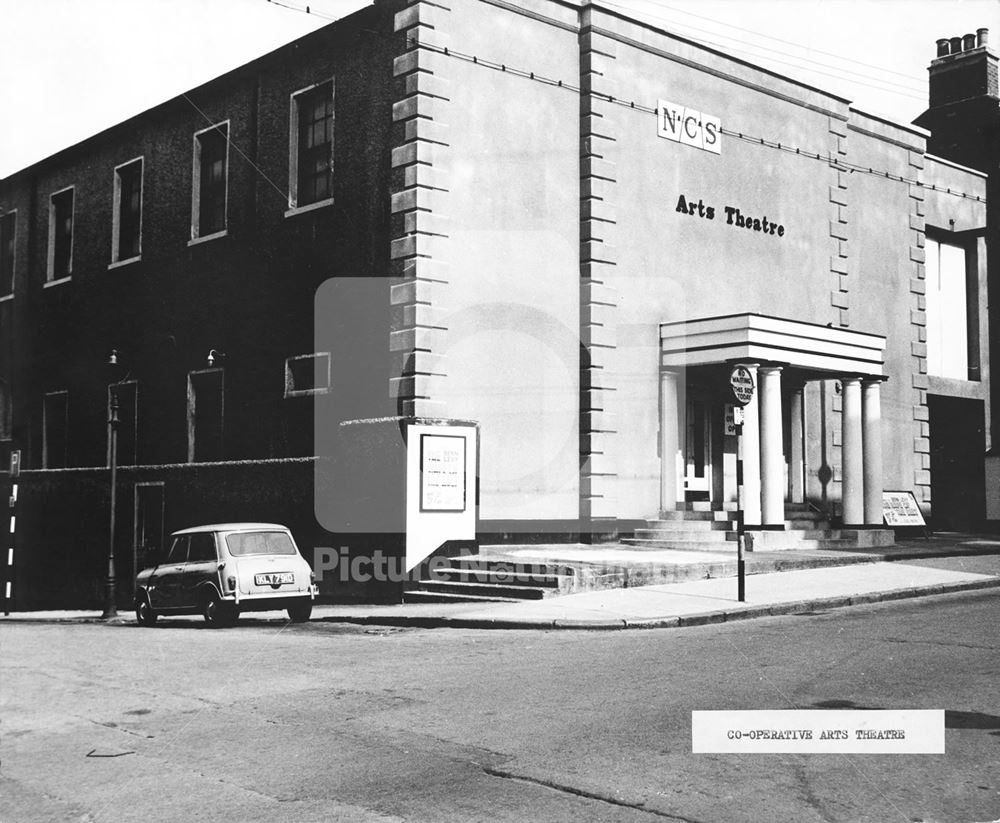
column 698, row 527
column 693, row 542
column 518, row 572
column 476, row 578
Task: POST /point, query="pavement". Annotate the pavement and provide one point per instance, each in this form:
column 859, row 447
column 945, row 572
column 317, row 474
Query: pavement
column 941, row 564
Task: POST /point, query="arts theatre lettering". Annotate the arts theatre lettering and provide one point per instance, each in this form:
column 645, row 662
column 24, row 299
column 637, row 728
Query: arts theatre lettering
column 734, row 217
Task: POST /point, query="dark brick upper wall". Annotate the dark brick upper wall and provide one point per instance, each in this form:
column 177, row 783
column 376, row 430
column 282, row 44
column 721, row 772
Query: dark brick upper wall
column 249, row 294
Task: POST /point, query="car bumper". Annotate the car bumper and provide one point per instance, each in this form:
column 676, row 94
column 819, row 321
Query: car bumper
column 266, row 601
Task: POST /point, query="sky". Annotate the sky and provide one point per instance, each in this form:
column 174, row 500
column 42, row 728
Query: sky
column 70, row 68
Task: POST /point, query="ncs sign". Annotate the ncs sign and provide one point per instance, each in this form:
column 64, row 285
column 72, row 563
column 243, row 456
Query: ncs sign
column 688, row 126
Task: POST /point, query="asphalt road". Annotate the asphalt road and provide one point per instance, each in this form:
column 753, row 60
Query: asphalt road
column 326, row 722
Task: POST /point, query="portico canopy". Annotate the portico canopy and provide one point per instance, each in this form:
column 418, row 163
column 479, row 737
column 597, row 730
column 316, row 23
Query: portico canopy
column 759, row 338
column 768, row 346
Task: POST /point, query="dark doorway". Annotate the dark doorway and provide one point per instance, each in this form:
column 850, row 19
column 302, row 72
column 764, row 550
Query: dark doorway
column 148, row 523
column 958, row 470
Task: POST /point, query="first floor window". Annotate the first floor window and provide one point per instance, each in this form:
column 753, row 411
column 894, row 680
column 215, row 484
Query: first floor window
column 211, row 171
column 128, row 211
column 312, row 145
column 60, row 235
column 55, row 426
column 205, row 415
column 8, row 229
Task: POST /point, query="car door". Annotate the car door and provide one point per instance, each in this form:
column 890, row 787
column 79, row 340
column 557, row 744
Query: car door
column 165, row 579
column 201, row 569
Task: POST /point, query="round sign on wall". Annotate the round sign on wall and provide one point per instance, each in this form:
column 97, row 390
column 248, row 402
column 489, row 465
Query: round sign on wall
column 742, row 384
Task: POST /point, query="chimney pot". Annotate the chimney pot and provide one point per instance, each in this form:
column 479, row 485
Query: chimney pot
column 956, row 45
column 942, row 47
column 983, row 37
column 969, row 42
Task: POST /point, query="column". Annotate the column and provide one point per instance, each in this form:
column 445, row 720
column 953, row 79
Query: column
column 772, row 457
column 797, row 472
column 871, row 437
column 751, row 455
column 852, row 455
column 669, row 441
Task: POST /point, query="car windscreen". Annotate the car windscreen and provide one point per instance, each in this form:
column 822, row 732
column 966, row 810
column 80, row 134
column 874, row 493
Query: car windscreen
column 243, row 544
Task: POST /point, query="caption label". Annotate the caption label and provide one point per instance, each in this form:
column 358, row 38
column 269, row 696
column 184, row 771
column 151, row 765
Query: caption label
column 818, row 731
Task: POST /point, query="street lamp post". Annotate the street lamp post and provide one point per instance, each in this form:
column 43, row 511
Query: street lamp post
column 110, row 604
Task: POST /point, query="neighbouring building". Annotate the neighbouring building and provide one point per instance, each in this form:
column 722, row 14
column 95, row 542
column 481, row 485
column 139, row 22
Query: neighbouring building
column 963, row 118
column 544, row 220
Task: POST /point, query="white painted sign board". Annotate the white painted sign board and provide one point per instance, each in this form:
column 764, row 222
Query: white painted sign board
column 901, row 509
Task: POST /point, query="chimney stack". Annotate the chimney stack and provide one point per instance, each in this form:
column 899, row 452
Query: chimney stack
column 965, row 68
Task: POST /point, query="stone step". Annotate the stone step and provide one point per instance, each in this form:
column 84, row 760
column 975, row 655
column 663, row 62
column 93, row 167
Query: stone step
column 676, row 535
column 694, row 517
column 822, row 539
column 870, row 538
column 679, row 524
column 499, row 576
column 818, row 522
column 421, row 596
column 680, row 545
column 493, row 559
column 479, row 590
column 706, row 506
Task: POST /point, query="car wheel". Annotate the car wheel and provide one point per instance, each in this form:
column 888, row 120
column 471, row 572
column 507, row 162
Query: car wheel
column 144, row 613
column 300, row 612
column 217, row 613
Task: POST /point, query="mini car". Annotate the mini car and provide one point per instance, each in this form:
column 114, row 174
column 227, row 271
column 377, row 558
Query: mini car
column 221, row 570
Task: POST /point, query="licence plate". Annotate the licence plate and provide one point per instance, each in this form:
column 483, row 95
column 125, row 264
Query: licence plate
column 273, row 578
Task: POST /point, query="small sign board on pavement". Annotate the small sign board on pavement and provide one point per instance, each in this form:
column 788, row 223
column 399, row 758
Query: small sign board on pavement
column 15, row 463
column 900, row 509
column 741, row 382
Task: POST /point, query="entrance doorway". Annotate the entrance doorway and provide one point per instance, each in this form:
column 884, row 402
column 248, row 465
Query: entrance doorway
column 148, row 523
column 698, row 447
column 958, row 467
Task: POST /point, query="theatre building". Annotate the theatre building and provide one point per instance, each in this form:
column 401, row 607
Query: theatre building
column 479, row 271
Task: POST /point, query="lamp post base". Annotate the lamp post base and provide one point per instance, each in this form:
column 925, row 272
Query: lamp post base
column 110, row 606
